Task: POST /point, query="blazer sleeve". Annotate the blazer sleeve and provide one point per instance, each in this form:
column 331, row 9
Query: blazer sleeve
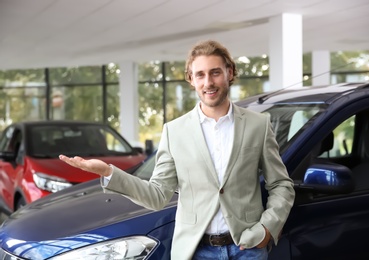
column 153, row 194
column 278, row 184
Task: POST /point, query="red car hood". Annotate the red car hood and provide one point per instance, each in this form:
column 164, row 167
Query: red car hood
column 56, row 167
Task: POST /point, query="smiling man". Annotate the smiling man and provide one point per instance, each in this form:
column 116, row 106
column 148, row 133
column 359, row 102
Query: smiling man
column 214, row 156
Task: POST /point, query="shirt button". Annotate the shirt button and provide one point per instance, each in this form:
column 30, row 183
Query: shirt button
column 221, row 191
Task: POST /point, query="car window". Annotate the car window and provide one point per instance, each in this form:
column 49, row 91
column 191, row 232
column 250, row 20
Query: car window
column 146, row 169
column 343, row 137
column 346, row 145
column 83, row 140
column 289, row 120
column 113, row 143
column 298, row 120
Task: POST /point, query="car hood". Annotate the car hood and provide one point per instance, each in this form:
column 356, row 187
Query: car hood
column 76, row 217
column 92, row 209
column 58, row 168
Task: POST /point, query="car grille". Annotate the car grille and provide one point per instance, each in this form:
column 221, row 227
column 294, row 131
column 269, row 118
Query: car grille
column 6, row 256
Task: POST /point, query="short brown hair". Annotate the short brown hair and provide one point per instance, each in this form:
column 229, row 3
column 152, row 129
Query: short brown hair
column 208, row 48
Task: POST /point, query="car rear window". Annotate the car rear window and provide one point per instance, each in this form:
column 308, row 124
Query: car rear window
column 92, row 140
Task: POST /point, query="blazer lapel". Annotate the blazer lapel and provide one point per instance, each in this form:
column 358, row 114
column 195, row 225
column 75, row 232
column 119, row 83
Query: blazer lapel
column 199, row 139
column 239, row 129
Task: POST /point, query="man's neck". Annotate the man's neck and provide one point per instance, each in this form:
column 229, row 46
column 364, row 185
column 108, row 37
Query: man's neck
column 216, row 112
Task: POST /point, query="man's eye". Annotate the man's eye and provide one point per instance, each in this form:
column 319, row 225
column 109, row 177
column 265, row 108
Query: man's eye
column 199, row 75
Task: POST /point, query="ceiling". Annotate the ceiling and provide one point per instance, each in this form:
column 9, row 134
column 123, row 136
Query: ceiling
column 54, row 33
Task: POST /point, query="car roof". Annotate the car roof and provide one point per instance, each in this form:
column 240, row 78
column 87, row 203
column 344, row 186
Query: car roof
column 317, row 94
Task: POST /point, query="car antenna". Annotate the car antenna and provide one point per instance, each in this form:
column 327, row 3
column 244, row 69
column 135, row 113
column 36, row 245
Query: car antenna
column 262, row 99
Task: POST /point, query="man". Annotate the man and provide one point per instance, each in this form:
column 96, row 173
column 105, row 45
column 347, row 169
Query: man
column 214, row 155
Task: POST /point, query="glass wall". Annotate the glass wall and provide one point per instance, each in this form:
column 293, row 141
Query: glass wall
column 92, row 92
column 22, row 96
column 112, row 105
column 151, row 111
column 77, row 102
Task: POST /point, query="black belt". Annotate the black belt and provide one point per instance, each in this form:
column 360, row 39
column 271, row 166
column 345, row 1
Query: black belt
column 217, row 240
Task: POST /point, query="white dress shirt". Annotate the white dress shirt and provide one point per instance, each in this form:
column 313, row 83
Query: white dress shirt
column 219, row 139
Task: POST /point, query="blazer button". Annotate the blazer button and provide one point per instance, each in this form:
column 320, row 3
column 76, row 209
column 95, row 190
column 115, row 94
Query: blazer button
column 221, row 191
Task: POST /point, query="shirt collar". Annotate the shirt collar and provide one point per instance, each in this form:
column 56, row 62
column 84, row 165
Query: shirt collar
column 203, row 117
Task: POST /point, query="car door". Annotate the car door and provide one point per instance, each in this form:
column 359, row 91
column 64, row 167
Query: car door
column 335, row 226
column 10, row 144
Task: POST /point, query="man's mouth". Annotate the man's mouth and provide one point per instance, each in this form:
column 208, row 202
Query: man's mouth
column 210, row 92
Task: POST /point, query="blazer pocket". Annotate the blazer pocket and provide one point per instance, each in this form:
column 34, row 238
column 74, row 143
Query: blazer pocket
column 187, row 218
column 254, row 215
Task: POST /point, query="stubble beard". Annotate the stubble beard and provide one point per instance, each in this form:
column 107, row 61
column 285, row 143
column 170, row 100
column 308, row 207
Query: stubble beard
column 217, row 102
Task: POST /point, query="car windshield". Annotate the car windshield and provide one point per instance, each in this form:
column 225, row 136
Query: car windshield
column 146, row 169
column 83, row 140
column 289, row 119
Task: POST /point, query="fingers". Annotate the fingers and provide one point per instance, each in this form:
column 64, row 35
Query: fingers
column 66, row 158
column 62, row 157
column 92, row 165
column 75, row 161
column 70, row 159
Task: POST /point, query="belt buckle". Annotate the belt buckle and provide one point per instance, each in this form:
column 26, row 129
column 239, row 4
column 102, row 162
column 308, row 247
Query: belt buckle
column 211, row 240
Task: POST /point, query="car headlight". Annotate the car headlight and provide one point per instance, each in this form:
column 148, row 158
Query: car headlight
column 129, row 248
column 50, row 183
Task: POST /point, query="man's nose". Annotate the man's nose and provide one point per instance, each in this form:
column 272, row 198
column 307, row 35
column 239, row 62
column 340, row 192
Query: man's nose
column 208, row 81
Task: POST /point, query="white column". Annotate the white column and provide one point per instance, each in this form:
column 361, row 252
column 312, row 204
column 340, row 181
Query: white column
column 321, row 66
column 285, row 51
column 128, row 87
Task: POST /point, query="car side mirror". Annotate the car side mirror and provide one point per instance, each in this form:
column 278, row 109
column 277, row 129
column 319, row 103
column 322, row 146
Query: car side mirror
column 327, row 179
column 149, row 146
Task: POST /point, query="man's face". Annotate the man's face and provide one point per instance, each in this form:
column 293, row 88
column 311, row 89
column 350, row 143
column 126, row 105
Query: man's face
column 210, row 78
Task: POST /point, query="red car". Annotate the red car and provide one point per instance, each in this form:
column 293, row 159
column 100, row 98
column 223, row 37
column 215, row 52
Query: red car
column 29, row 164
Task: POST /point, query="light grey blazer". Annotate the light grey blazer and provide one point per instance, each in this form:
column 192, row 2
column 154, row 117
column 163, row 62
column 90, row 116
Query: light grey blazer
column 183, row 161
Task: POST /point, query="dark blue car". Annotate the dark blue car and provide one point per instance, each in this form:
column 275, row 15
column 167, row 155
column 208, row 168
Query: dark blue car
column 323, row 133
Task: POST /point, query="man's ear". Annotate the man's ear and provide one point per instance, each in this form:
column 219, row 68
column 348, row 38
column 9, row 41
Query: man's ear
column 230, row 73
